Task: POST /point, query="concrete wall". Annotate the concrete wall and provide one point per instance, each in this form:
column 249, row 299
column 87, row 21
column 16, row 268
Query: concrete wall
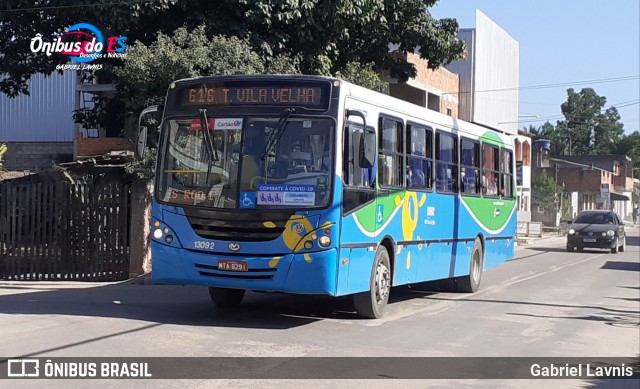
column 489, row 76
column 497, row 76
column 36, row 156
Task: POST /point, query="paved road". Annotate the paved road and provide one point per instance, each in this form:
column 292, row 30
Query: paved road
column 544, row 302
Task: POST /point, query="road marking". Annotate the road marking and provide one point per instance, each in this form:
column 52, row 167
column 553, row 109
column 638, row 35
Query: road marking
column 447, row 303
column 518, row 279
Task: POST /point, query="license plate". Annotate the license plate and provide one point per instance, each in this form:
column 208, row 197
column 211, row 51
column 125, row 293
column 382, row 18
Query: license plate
column 231, row 265
column 589, row 240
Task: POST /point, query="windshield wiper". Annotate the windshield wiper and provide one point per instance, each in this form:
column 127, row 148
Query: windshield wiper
column 279, row 129
column 206, row 136
column 204, row 125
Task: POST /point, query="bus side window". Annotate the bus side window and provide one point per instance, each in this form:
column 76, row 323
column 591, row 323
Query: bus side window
column 446, row 163
column 469, row 166
column 506, row 173
column 490, row 170
column 419, row 157
column 391, row 170
column 358, row 181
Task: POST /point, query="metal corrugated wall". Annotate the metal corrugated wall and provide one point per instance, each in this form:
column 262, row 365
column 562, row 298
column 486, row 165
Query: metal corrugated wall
column 45, row 115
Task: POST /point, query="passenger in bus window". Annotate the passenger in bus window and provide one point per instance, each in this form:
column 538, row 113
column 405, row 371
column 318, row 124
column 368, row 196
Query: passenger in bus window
column 489, row 185
column 417, row 175
column 409, row 177
column 250, row 165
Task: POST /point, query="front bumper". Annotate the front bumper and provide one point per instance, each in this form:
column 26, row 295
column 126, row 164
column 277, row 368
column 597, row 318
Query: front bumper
column 603, row 242
column 312, row 273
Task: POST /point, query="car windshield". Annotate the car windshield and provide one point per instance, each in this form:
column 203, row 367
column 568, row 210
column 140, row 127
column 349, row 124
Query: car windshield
column 246, row 162
column 595, row 218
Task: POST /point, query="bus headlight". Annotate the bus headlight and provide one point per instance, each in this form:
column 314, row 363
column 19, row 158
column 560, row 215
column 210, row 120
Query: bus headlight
column 162, row 233
column 572, row 231
column 324, row 241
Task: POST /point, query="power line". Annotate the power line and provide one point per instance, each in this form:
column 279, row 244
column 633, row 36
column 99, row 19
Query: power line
column 628, row 104
column 127, row 2
column 617, row 106
column 557, row 85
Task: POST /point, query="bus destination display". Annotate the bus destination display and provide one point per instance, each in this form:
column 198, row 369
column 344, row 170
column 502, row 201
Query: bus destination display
column 230, row 95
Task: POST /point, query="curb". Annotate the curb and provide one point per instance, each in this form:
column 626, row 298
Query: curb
column 529, row 241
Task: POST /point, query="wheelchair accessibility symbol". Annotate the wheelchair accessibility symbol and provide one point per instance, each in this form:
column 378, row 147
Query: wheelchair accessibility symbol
column 380, row 214
column 247, row 199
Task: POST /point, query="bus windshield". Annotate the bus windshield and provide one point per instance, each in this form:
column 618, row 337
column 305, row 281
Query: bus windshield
column 249, row 162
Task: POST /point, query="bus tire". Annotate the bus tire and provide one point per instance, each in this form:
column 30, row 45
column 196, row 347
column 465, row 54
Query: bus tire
column 371, row 304
column 226, row 297
column 471, row 283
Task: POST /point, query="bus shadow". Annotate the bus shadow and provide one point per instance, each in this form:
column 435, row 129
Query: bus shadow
column 187, row 305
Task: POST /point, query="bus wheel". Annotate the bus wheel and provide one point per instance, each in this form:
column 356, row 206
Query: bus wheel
column 471, row 283
column 226, row 297
column 371, row 304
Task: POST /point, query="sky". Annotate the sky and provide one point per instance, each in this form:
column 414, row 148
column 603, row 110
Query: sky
column 566, row 41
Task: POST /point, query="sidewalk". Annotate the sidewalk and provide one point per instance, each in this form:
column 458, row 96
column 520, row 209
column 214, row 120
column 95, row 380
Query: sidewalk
column 555, row 237
column 547, row 237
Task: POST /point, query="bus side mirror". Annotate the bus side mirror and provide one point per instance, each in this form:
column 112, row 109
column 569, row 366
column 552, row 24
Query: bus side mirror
column 367, row 149
column 141, row 143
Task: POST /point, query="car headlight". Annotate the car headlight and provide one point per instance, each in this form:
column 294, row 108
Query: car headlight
column 571, row 231
column 610, row 233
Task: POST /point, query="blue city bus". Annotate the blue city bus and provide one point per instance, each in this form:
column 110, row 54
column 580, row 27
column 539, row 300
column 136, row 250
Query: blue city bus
column 313, row 185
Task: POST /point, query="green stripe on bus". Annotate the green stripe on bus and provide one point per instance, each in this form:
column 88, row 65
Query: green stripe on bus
column 493, row 214
column 492, row 138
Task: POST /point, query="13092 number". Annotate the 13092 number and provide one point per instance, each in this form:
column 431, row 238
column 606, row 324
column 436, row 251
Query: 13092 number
column 201, row 244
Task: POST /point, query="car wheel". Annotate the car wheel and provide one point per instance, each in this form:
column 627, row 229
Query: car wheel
column 624, row 244
column 614, row 249
column 226, row 297
column 371, row 304
column 570, row 248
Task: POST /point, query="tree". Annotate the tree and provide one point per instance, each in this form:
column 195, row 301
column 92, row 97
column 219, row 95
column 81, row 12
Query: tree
column 326, row 34
column 545, row 131
column 629, row 145
column 545, row 191
column 362, row 75
column 586, row 126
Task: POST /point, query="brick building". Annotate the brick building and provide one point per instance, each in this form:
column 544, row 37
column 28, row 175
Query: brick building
column 434, row 89
column 589, row 182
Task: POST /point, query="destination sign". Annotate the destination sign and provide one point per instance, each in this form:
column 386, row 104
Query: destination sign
column 299, row 94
